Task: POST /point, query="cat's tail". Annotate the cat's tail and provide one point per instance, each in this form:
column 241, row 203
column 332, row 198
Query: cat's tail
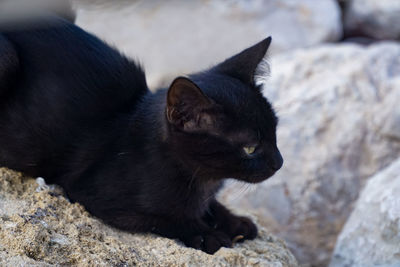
column 17, row 11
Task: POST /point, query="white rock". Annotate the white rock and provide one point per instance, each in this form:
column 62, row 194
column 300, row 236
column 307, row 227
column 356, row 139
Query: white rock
column 371, row 236
column 176, row 37
column 339, row 124
column 41, row 184
column 378, row 19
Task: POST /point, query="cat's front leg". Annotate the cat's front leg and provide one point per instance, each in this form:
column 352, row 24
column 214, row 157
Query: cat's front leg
column 195, row 233
column 238, row 228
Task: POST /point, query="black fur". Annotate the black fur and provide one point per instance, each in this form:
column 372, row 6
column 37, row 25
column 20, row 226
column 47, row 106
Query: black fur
column 78, row 113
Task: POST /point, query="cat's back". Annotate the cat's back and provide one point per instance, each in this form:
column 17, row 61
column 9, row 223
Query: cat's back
column 68, row 84
column 59, row 59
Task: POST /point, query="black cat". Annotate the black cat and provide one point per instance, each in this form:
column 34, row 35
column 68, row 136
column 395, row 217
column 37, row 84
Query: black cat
column 80, row 114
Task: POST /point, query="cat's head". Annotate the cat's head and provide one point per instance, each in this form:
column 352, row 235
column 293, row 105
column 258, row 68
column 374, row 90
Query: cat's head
column 220, row 125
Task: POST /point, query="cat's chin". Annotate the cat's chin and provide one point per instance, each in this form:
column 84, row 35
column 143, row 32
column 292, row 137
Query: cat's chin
column 254, row 179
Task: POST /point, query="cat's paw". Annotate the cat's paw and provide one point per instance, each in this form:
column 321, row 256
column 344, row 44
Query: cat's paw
column 243, row 229
column 209, row 242
column 238, row 228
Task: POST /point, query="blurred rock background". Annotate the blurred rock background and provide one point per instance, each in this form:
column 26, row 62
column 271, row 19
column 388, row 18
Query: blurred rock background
column 335, row 84
column 174, row 37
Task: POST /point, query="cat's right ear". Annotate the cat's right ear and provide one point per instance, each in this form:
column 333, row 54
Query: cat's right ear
column 245, row 65
column 188, row 107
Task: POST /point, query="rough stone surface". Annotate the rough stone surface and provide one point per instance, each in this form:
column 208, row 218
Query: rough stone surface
column 176, row 37
column 339, row 125
column 371, row 236
column 39, row 227
column 378, row 19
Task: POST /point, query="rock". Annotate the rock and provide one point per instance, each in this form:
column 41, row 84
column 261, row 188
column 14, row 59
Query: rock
column 176, row 37
column 339, row 124
column 377, row 19
column 40, row 227
column 371, row 236
column 19, row 10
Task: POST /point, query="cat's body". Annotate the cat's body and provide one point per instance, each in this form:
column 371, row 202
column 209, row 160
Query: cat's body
column 76, row 112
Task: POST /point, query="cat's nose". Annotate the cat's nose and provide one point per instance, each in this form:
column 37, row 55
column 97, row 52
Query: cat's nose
column 277, row 161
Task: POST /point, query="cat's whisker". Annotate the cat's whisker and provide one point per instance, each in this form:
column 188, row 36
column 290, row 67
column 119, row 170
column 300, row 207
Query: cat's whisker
column 207, row 199
column 241, row 189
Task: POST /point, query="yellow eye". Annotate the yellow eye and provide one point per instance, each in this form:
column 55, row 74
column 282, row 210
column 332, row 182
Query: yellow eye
column 249, row 149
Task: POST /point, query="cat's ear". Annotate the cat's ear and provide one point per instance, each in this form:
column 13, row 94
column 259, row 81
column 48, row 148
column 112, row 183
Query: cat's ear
column 188, row 107
column 243, row 66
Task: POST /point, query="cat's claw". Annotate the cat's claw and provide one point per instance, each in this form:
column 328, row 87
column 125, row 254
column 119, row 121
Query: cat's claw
column 245, row 228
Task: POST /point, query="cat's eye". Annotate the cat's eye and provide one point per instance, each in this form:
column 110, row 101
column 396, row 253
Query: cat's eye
column 249, row 150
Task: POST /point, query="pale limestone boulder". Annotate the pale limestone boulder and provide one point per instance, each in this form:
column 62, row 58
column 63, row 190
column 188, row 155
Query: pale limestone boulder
column 40, row 227
column 339, row 110
column 371, row 236
column 179, row 37
column 375, row 18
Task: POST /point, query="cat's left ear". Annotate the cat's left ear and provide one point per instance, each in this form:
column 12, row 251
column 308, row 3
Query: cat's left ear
column 188, row 108
column 243, row 66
